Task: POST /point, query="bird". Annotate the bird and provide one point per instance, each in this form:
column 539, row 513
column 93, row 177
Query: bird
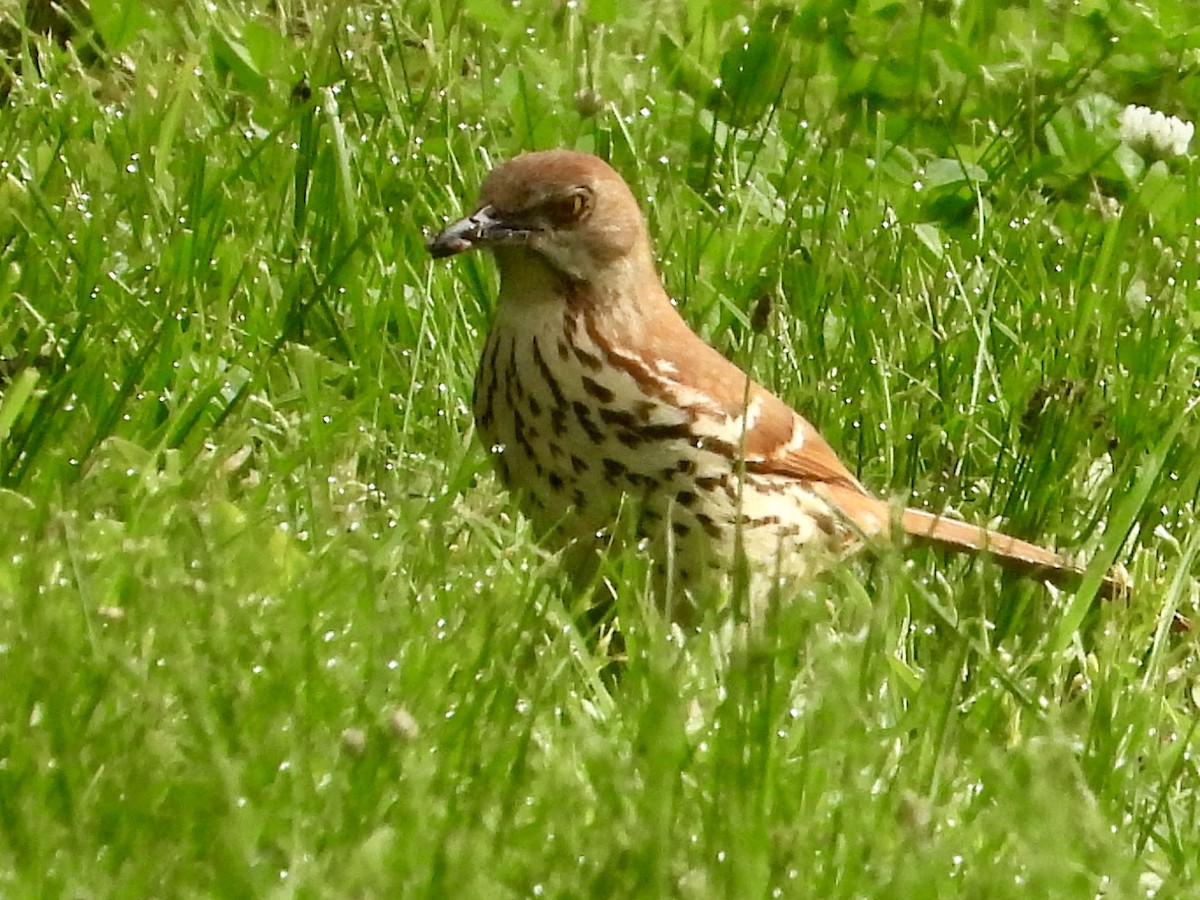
column 596, row 401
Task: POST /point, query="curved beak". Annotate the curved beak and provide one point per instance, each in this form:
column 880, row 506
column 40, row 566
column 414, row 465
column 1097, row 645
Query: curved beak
column 483, row 228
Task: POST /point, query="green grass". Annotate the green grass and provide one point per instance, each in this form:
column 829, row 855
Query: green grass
column 268, row 625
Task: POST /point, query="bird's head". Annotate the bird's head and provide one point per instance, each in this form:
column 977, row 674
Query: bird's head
column 566, row 210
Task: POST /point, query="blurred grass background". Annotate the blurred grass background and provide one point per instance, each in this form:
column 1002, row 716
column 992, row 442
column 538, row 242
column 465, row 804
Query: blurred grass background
column 268, row 625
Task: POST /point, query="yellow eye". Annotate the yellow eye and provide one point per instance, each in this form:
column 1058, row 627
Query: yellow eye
column 565, row 210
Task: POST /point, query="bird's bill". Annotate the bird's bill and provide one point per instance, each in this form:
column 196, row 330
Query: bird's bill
column 483, row 228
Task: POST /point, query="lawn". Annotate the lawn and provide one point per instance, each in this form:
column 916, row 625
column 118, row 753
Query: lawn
column 270, row 627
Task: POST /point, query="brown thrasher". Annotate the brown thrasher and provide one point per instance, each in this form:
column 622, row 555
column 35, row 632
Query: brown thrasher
column 593, row 392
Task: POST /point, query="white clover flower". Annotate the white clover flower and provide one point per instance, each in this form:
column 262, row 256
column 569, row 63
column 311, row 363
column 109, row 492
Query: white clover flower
column 1144, row 128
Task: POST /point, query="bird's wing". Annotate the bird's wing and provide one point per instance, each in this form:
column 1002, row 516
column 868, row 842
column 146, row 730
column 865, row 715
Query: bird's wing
column 779, row 441
column 784, row 443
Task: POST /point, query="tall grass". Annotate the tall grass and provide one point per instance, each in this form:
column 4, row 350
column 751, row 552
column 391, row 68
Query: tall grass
column 268, row 625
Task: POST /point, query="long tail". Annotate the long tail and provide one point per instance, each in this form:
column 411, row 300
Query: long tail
column 1013, row 553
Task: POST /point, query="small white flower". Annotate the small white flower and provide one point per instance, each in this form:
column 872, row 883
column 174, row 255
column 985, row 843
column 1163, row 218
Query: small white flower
column 1162, row 135
column 1150, row 882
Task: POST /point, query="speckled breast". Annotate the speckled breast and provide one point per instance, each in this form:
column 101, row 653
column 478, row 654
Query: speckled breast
column 581, row 442
column 573, row 436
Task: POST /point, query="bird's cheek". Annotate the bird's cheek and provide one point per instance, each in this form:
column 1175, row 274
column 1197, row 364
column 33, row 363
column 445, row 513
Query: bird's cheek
column 613, row 243
column 560, row 258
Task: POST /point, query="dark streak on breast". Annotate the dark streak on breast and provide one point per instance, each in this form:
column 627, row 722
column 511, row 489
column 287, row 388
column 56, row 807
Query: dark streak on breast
column 583, row 414
column 597, row 390
column 485, row 386
column 547, row 375
column 519, row 434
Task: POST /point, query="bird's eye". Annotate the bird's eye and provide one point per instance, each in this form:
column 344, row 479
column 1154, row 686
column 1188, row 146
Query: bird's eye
column 565, row 210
